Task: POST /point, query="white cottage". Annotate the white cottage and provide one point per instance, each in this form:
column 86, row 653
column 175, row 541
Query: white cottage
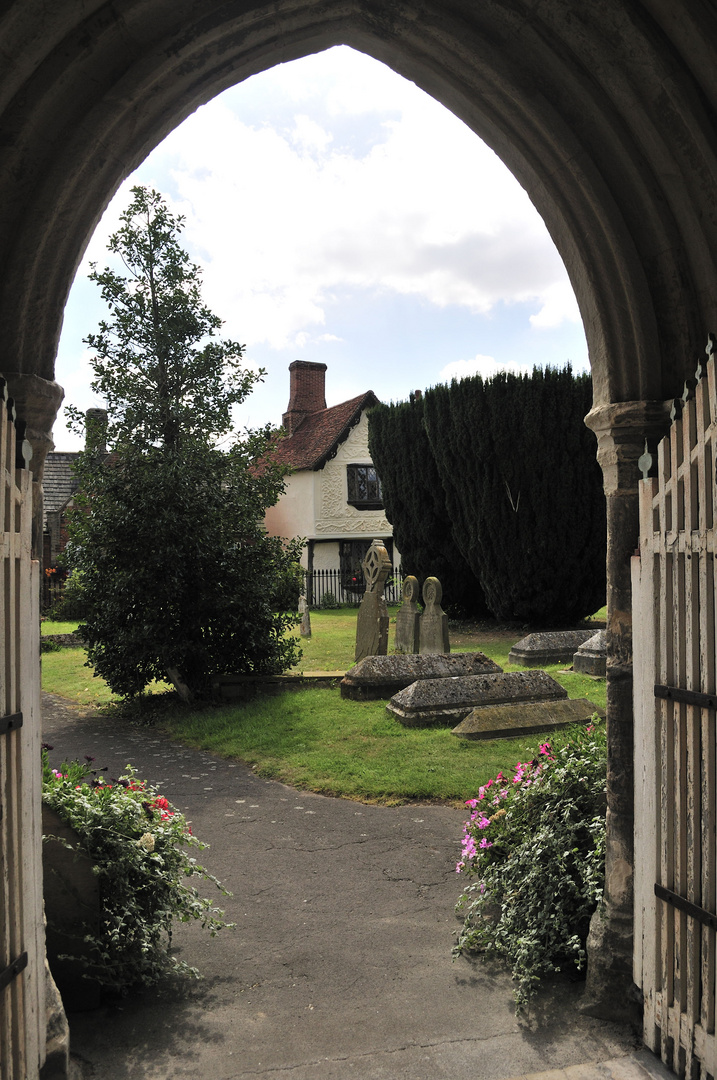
column 333, row 497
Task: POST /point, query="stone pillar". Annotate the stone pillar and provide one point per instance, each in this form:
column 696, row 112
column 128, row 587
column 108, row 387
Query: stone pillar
column 621, row 431
column 36, row 402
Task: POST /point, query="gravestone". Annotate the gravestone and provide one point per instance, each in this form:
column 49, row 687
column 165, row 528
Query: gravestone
column 434, row 621
column 591, row 657
column 383, row 676
column 408, row 618
column 524, row 718
column 557, row 647
column 448, row 701
column 305, row 624
column 372, row 621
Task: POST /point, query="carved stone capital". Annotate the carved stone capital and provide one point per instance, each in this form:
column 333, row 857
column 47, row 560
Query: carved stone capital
column 36, row 402
column 621, row 430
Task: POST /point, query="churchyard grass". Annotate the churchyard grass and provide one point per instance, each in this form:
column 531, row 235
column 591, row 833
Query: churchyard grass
column 48, row 626
column 65, row 673
column 313, row 739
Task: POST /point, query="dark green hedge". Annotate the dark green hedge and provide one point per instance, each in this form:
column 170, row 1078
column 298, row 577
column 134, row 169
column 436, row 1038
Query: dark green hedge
column 504, row 471
column 415, row 505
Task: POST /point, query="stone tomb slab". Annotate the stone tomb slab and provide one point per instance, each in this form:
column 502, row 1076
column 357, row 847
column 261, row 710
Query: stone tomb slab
column 383, row 676
column 556, row 647
column 448, row 701
column 591, row 657
column 524, row 718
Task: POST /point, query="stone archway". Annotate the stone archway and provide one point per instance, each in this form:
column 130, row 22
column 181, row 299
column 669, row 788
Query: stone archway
column 605, row 113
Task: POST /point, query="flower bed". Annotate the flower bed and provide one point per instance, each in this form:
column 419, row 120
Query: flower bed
column 534, row 846
column 139, row 846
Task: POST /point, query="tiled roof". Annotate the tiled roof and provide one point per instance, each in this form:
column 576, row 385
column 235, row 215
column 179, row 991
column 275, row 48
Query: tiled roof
column 58, row 482
column 319, row 435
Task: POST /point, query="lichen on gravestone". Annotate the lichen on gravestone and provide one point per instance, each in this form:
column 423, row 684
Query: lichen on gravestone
column 372, row 621
column 434, row 621
column 305, row 625
column 408, row 618
column 383, row 676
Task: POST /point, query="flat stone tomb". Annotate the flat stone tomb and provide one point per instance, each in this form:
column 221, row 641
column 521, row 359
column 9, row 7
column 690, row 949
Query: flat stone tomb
column 556, row 647
column 524, row 718
column 383, row 676
column 448, row 701
column 591, row 657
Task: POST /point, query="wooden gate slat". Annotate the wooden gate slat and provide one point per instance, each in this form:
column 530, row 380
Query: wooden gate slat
column 675, row 593
column 22, row 1004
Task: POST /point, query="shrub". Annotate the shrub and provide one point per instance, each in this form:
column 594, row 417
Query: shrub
column 138, row 843
column 523, row 490
column 415, row 504
column 535, row 845
column 328, row 602
column 70, row 605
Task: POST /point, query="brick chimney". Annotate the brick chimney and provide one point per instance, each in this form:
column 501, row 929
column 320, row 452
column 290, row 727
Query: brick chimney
column 96, row 430
column 307, row 393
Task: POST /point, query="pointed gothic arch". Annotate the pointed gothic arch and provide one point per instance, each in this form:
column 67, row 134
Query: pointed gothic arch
column 606, row 112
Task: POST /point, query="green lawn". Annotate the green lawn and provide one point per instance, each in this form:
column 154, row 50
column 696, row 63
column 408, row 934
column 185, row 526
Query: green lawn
column 313, row 739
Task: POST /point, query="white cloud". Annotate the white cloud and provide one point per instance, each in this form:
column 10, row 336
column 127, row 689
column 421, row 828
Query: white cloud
column 283, row 216
column 333, row 177
column 485, row 366
column 559, row 305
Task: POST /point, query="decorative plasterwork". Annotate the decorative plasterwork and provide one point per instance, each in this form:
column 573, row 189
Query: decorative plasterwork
column 336, row 516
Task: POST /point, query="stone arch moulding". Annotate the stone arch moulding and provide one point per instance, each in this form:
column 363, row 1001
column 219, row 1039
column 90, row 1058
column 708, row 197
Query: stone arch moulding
column 605, row 113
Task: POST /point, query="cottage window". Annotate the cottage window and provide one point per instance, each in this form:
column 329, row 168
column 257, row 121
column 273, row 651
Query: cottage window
column 364, row 487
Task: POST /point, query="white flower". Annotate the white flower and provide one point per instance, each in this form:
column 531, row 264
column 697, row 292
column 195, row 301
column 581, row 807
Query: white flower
column 146, row 842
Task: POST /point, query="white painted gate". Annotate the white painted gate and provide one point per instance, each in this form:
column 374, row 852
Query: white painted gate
column 675, row 707
column 22, row 952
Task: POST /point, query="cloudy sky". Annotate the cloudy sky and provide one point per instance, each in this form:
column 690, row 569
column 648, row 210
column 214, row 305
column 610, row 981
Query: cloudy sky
column 341, row 215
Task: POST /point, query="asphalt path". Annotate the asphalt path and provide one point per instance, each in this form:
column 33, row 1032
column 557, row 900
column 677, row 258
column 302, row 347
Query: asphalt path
column 340, row 964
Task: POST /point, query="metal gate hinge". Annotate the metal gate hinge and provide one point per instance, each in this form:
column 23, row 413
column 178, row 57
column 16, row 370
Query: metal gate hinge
column 11, row 722
column 14, row 969
column 686, row 697
column 679, row 902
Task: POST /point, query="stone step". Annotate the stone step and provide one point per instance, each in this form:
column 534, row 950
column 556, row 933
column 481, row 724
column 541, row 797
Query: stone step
column 642, row 1065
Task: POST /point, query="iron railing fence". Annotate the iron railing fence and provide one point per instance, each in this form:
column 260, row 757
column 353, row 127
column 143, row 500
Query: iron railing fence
column 323, row 588
column 319, row 588
column 51, row 587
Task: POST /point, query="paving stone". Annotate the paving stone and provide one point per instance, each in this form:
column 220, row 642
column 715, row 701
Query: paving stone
column 642, row 1065
column 383, row 676
column 591, row 657
column 448, row 701
column 556, row 647
column 524, row 718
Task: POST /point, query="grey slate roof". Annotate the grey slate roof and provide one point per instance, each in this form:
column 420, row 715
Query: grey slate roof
column 58, row 481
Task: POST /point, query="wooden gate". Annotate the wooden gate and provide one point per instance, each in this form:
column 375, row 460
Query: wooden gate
column 22, row 953
column 675, row 706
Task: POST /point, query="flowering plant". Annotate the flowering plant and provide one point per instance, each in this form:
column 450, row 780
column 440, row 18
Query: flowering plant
column 138, row 843
column 535, row 846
